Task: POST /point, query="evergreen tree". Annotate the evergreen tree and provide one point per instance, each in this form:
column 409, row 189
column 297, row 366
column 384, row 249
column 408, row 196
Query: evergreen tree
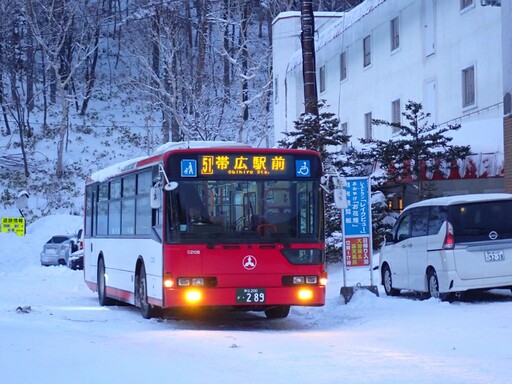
column 317, row 133
column 322, row 134
column 420, row 143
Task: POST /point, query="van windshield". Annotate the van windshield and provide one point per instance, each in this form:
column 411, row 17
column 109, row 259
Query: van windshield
column 479, row 221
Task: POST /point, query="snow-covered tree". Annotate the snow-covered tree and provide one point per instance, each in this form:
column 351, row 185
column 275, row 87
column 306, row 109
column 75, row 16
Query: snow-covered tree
column 322, row 134
column 418, row 143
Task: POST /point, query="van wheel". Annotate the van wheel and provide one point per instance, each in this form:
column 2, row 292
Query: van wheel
column 433, row 286
column 388, row 282
column 141, row 290
column 103, row 300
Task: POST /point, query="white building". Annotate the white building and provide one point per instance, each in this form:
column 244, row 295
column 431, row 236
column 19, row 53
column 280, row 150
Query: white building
column 446, row 54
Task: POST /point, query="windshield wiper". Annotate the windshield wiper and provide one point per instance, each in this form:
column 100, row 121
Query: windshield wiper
column 278, row 238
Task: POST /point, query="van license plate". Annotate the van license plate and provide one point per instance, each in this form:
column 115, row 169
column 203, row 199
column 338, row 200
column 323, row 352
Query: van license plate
column 250, row 295
column 494, row 256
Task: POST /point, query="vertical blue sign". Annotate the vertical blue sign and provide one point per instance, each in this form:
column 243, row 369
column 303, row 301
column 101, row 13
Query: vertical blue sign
column 357, row 216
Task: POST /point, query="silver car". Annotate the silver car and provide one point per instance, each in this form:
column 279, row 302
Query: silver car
column 58, row 250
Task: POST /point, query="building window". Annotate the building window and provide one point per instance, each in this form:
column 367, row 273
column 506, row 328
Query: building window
column 395, row 34
column 465, row 4
column 322, row 78
column 276, row 93
column 468, row 86
column 396, row 114
column 343, row 66
column 367, row 51
column 368, row 126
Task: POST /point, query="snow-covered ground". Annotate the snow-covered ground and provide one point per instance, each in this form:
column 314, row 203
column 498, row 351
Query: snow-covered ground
column 66, row 337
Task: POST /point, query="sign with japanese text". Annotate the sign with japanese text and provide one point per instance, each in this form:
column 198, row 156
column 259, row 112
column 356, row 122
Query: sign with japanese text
column 247, row 164
column 357, row 251
column 13, row 224
column 357, row 220
column 357, row 223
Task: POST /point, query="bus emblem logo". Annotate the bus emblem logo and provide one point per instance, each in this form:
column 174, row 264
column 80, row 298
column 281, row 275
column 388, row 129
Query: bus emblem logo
column 249, row 262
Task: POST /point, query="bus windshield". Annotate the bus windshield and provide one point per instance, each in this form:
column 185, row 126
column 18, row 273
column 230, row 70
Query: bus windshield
column 242, row 211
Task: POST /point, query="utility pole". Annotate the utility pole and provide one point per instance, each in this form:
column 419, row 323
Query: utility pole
column 308, row 57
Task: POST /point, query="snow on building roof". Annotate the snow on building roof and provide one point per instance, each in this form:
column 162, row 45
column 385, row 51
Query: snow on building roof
column 345, row 21
column 483, row 135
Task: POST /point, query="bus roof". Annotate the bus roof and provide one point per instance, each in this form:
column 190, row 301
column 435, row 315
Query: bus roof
column 199, row 144
column 160, row 153
column 114, row 169
column 123, row 166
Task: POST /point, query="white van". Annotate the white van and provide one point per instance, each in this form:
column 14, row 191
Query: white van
column 450, row 244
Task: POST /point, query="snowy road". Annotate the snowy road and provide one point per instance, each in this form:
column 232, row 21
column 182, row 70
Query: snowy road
column 66, row 338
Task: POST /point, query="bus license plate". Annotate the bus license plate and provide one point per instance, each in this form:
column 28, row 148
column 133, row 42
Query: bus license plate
column 494, row 256
column 250, row 295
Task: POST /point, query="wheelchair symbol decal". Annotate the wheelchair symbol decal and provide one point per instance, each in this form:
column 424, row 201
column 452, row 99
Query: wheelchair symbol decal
column 302, row 168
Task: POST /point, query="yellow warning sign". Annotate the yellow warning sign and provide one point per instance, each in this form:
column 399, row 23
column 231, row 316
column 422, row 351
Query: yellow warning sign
column 14, row 224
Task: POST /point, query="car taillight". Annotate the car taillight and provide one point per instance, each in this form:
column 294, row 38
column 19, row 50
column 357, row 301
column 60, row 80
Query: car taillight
column 449, row 239
column 80, row 245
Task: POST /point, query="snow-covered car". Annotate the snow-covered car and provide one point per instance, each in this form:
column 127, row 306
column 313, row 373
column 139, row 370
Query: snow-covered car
column 58, row 250
column 76, row 260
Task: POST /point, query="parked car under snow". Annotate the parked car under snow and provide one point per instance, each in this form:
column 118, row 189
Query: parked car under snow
column 58, row 250
column 76, row 260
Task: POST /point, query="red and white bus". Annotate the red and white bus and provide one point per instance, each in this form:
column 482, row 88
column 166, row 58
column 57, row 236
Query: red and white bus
column 204, row 225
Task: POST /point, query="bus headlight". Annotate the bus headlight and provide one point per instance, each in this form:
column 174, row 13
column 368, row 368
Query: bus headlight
column 168, row 281
column 195, row 281
column 302, row 280
column 323, row 279
column 193, row 296
column 207, row 281
column 305, row 294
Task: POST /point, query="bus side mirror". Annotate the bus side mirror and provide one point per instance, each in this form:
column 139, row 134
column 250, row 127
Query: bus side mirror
column 155, row 196
column 171, row 186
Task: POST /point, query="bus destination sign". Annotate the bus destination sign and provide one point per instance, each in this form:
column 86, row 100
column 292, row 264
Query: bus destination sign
column 246, row 164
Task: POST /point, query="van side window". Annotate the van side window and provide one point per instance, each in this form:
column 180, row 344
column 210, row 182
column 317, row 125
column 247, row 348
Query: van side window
column 438, row 215
column 402, row 231
column 419, row 222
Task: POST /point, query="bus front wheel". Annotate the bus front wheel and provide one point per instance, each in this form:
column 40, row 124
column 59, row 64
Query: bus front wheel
column 279, row 312
column 146, row 309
